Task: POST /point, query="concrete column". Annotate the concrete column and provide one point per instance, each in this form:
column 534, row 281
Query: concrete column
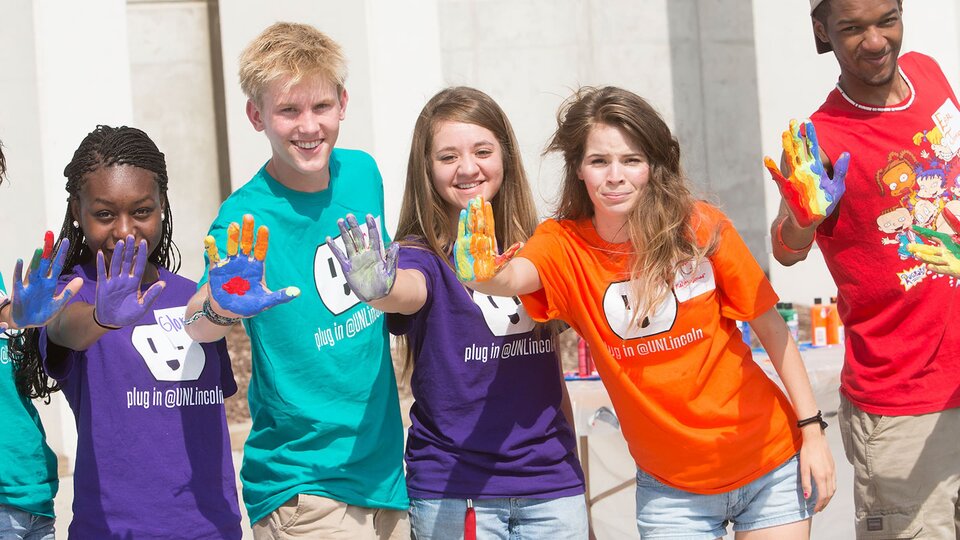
column 717, row 109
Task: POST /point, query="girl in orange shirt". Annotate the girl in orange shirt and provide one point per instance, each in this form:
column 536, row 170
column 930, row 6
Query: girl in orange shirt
column 654, row 280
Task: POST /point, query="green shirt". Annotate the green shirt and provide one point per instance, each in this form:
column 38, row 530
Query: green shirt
column 323, row 396
column 28, row 468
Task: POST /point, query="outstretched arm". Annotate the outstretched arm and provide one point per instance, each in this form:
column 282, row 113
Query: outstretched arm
column 816, row 461
column 34, row 301
column 371, row 272
column 236, row 288
column 478, row 264
column 118, row 301
column 809, row 193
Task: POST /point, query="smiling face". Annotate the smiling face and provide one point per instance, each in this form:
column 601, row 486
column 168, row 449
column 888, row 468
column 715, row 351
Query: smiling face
column 614, row 171
column 866, row 37
column 115, row 202
column 302, row 122
column 465, row 161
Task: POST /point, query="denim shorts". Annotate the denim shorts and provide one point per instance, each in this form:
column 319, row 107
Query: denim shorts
column 564, row 518
column 773, row 499
column 19, row 524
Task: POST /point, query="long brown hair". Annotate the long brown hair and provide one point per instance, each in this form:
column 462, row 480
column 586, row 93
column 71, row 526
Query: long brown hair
column 662, row 225
column 424, row 215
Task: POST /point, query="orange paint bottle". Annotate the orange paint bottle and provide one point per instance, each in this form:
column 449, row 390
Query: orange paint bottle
column 819, row 314
column 834, row 324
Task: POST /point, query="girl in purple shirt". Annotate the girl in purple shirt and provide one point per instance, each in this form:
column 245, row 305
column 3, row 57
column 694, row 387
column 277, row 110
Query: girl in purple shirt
column 153, row 450
column 491, row 452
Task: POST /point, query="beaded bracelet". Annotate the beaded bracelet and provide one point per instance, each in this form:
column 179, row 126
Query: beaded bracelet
column 211, row 316
column 784, row 245
column 818, row 418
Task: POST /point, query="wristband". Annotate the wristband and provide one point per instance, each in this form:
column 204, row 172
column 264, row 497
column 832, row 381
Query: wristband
column 100, row 324
column 788, row 249
column 816, row 419
column 212, row 316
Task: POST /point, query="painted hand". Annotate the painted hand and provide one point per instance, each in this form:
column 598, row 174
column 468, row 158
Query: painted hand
column 809, row 192
column 119, row 301
column 475, row 253
column 939, row 258
column 237, row 283
column 369, row 272
column 34, row 301
column 943, row 255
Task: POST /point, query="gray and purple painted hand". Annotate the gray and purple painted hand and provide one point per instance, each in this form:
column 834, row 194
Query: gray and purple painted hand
column 119, row 302
column 237, row 284
column 369, row 272
column 34, row 301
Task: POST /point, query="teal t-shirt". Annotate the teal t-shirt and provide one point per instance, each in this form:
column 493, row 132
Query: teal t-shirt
column 28, row 468
column 323, row 395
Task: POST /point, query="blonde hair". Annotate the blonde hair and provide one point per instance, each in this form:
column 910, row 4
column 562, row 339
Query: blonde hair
column 424, row 217
column 662, row 226
column 424, row 214
column 293, row 51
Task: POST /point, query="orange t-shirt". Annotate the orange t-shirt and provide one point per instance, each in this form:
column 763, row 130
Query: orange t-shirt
column 697, row 412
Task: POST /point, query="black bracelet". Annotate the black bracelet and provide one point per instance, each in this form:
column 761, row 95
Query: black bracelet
column 217, row 318
column 816, row 419
column 100, row 324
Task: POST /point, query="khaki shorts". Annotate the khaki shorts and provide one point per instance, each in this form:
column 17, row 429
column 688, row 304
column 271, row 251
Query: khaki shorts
column 906, row 472
column 311, row 516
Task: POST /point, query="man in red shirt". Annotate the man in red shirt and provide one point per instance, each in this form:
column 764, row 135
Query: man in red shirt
column 900, row 384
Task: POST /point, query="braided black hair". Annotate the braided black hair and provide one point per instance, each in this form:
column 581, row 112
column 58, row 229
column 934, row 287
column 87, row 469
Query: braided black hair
column 103, row 147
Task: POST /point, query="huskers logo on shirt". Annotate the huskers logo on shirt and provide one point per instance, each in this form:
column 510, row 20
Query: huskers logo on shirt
column 166, row 348
column 690, row 282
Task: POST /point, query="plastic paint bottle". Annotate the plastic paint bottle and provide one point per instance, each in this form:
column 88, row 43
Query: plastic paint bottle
column 792, row 318
column 744, row 332
column 582, row 368
column 834, row 324
column 819, row 313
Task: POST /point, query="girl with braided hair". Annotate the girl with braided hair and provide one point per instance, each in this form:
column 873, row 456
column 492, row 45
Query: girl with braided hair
column 153, row 451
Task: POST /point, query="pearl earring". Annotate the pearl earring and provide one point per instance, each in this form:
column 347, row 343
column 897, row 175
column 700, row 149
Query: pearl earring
column 75, row 224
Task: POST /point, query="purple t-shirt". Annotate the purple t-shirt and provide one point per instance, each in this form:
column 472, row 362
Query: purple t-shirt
column 153, row 450
column 486, row 418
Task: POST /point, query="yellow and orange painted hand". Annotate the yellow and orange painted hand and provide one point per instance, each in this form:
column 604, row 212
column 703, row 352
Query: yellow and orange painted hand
column 475, row 253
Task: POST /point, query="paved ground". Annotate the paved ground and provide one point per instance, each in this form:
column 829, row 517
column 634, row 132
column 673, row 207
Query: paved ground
column 610, row 465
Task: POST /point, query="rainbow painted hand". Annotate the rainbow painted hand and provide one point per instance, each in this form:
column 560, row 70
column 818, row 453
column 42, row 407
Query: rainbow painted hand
column 34, row 301
column 119, row 302
column 369, row 272
column 237, row 283
column 475, row 253
column 809, row 192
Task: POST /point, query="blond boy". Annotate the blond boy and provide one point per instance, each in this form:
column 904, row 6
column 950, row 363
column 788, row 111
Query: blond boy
column 324, row 455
